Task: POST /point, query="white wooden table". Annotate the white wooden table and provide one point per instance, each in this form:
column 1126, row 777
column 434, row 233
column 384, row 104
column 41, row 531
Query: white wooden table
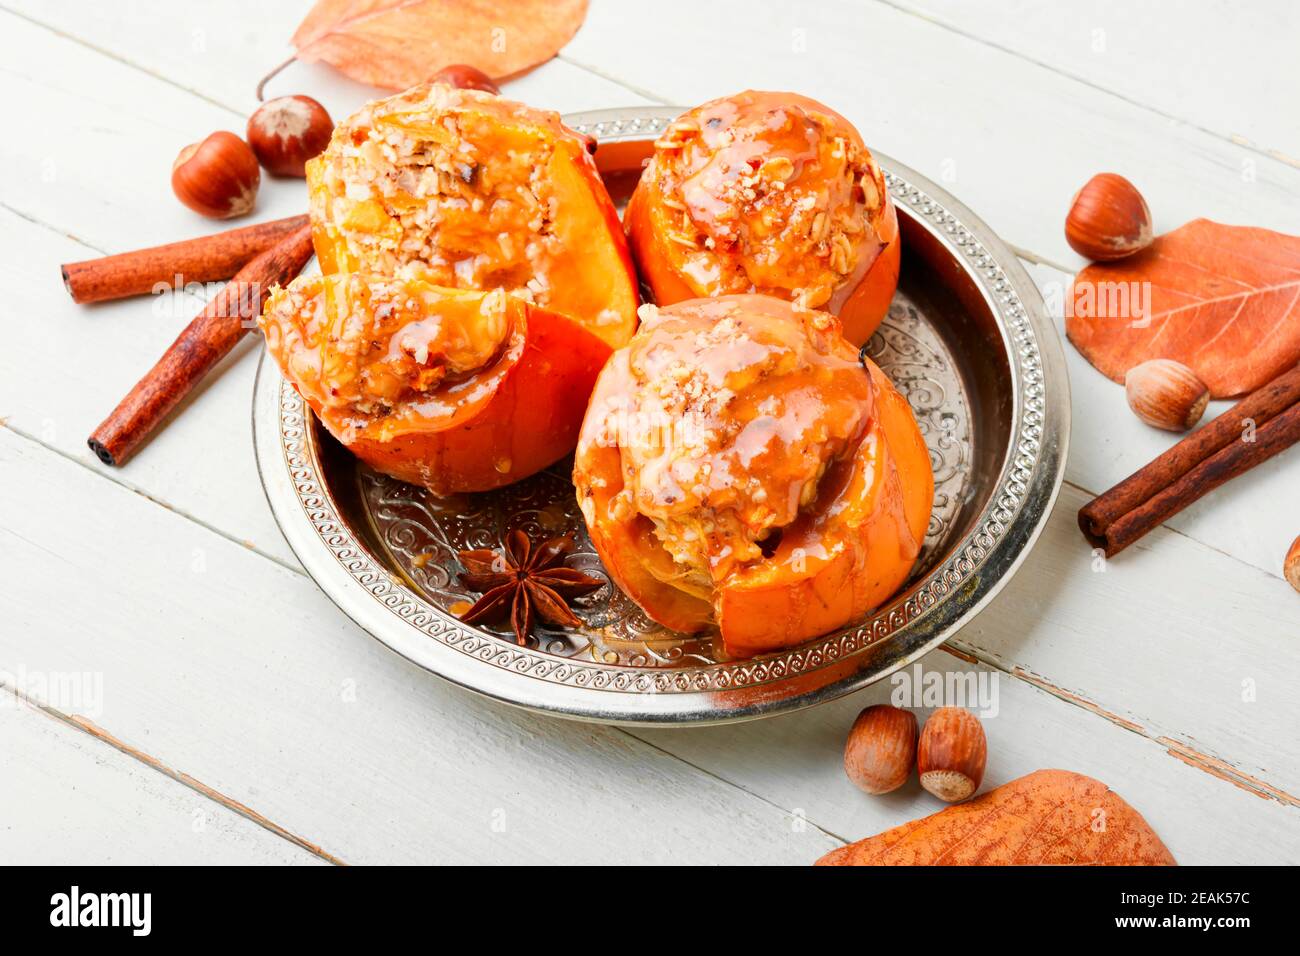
column 217, row 708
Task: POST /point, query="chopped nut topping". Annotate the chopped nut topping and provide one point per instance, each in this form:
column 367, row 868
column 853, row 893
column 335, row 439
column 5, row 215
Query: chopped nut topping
column 733, row 416
column 364, row 346
column 408, row 183
column 768, row 194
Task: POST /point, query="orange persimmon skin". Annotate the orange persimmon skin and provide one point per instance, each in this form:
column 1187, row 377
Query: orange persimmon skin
column 649, row 243
column 861, row 299
column 598, row 258
column 833, row 563
column 476, row 431
column 588, row 271
column 377, row 219
column 862, row 307
column 530, row 422
column 873, row 556
column 626, row 547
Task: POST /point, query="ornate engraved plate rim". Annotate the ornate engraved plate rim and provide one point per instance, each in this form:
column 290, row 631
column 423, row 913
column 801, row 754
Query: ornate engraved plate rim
column 1021, row 470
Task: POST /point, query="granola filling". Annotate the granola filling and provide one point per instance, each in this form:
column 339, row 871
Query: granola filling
column 764, row 195
column 373, row 350
column 738, row 414
column 429, row 184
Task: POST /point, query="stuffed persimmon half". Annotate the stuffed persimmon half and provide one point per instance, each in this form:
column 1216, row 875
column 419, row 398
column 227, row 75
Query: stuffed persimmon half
column 769, row 193
column 456, row 390
column 465, row 189
column 476, row 278
column 739, row 465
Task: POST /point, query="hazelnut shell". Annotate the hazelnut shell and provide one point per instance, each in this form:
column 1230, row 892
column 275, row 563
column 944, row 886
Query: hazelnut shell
column 1108, row 219
column 217, row 177
column 881, row 748
column 465, row 77
column 1291, row 566
column 287, row 131
column 951, row 753
column 1166, row 394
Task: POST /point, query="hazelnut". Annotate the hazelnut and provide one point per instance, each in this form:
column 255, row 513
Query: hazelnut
column 1108, row 219
column 1166, row 394
column 217, row 177
column 1291, row 566
column 287, row 131
column 881, row 747
column 951, row 753
column 465, row 77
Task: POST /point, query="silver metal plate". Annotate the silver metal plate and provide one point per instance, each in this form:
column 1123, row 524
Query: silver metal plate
column 966, row 341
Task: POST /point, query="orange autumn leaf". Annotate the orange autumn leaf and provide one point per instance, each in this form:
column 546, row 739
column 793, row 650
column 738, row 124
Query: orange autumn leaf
column 1049, row 817
column 1223, row 300
column 396, row 44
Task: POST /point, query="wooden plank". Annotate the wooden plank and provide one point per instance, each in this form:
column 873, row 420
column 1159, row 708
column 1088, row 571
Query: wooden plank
column 1049, row 130
column 1013, row 139
column 29, row 390
column 798, row 759
column 102, row 172
column 1254, row 518
column 195, row 48
column 69, row 799
column 1224, row 67
column 1074, row 130
column 101, row 168
column 218, row 51
column 1090, row 468
column 1108, row 442
column 1182, row 641
column 1172, row 642
column 106, row 358
column 66, row 366
column 101, row 175
column 241, row 674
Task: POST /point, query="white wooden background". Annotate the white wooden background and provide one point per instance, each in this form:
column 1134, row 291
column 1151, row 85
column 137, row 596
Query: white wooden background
column 244, row 719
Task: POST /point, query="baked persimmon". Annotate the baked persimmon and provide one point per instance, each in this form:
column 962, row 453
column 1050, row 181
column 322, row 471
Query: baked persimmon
column 740, row 465
column 452, row 389
column 769, row 193
column 468, row 190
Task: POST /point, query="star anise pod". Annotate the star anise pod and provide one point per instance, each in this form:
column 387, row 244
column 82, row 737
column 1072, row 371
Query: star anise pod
column 524, row 583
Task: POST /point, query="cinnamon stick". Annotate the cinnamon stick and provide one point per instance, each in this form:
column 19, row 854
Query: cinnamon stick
column 1196, row 465
column 204, row 342
column 205, row 259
